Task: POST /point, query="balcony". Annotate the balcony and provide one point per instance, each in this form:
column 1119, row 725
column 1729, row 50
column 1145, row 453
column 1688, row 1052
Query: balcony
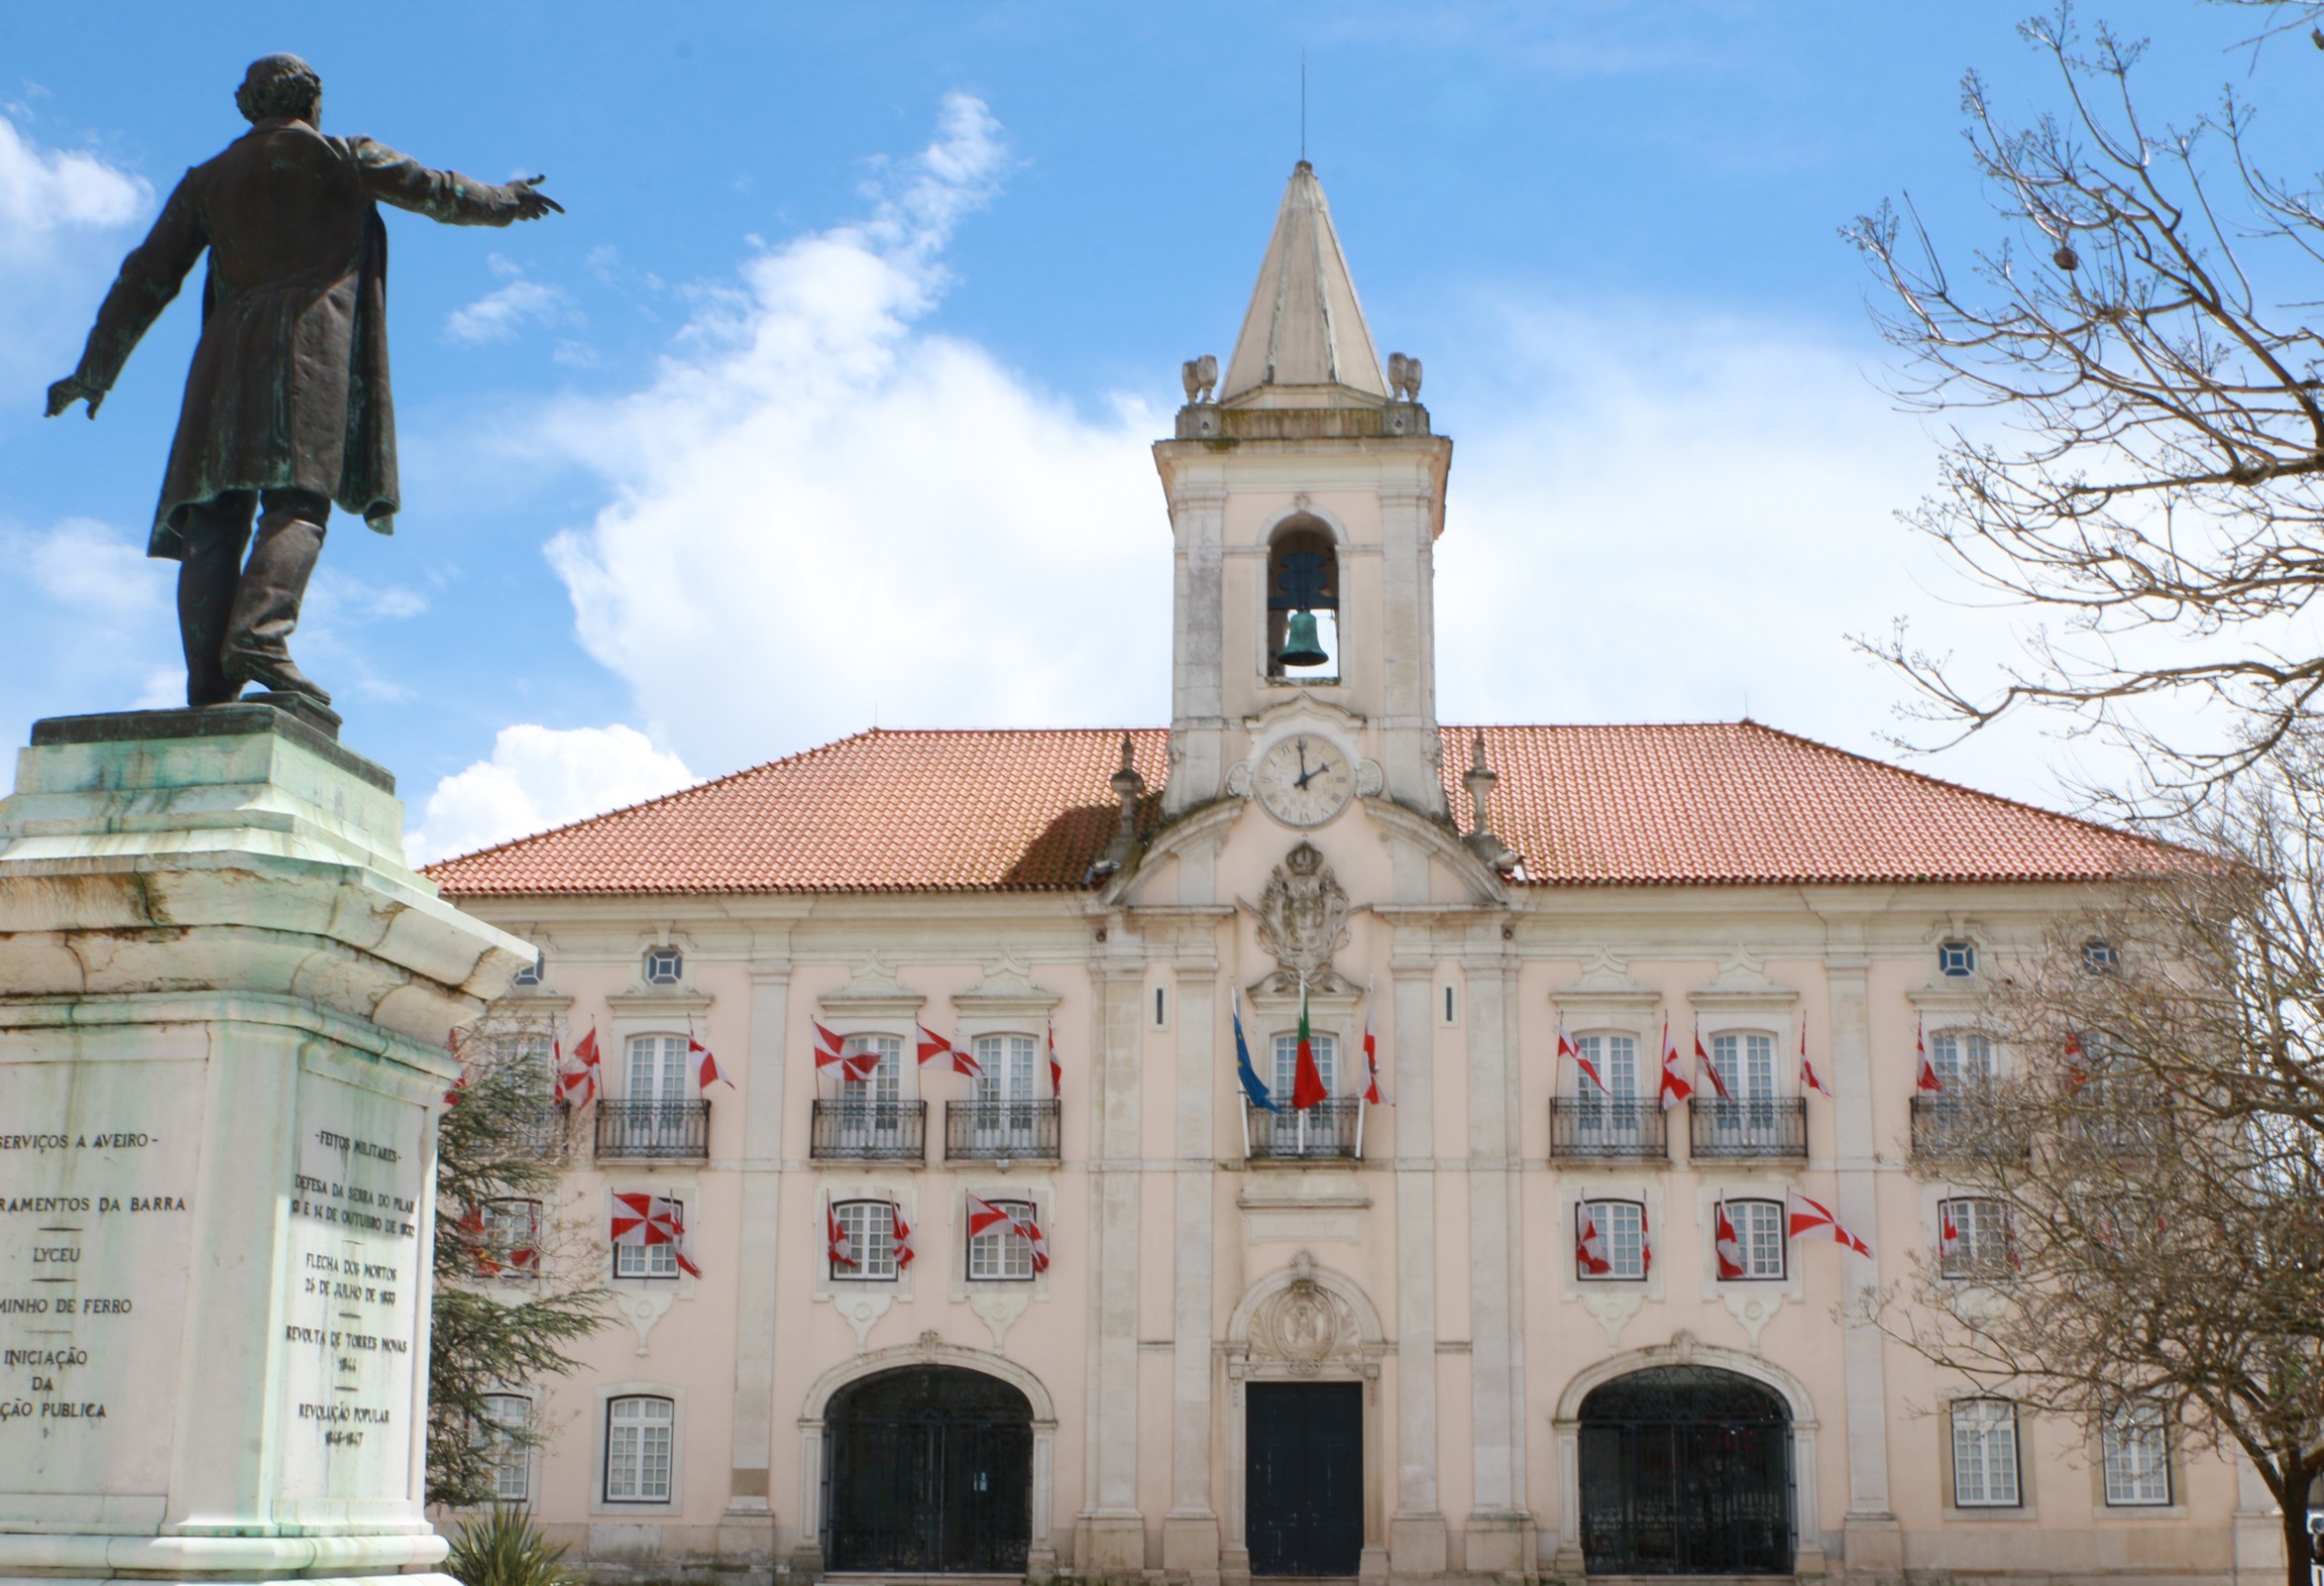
column 1328, row 1131
column 1960, row 1126
column 868, row 1131
column 668, row 1130
column 1001, row 1131
column 1596, row 1128
column 1748, row 1128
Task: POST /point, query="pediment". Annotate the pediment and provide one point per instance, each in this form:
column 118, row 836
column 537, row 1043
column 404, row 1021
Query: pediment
column 1007, row 991
column 872, row 991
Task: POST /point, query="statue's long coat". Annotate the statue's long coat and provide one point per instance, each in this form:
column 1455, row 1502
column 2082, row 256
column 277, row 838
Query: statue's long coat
column 290, row 383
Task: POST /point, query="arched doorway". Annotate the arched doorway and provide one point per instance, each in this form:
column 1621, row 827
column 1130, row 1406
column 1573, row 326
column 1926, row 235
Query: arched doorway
column 1686, row 1470
column 931, row 1472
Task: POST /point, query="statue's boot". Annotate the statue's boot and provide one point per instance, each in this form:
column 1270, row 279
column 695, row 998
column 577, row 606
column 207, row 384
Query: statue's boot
column 266, row 605
column 215, row 534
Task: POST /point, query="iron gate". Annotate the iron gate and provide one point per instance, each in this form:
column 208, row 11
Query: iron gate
column 931, row 1472
column 1303, row 1477
column 1686, row 1471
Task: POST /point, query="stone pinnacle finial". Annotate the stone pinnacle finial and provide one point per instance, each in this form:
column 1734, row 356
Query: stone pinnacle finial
column 1127, row 785
column 1480, row 780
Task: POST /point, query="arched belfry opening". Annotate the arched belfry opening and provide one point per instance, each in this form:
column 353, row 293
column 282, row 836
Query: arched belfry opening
column 1302, row 601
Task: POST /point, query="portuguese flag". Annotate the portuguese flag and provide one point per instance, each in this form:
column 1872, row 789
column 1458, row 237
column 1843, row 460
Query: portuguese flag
column 1306, row 1080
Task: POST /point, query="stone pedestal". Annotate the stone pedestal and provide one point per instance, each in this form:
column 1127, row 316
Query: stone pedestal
column 224, row 1000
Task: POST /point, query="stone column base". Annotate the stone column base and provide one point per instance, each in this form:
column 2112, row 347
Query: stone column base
column 1190, row 1545
column 1874, row 1547
column 1416, row 1543
column 1499, row 1543
column 806, row 1563
column 1109, row 1544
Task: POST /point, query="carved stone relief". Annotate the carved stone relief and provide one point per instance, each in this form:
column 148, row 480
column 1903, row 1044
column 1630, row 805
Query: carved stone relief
column 1303, row 921
column 1304, row 1327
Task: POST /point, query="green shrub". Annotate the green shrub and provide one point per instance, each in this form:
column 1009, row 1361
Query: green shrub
column 505, row 1548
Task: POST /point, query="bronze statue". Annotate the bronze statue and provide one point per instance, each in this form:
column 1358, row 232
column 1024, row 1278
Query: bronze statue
column 287, row 404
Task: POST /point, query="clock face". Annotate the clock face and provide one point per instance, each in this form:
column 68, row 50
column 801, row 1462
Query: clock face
column 1305, row 780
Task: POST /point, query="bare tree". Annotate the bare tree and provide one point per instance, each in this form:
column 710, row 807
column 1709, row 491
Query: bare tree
column 2152, row 469
column 509, row 1258
column 2133, row 1234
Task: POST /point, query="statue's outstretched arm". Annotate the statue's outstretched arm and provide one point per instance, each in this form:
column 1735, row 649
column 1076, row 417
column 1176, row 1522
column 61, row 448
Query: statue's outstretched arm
column 445, row 196
column 149, row 277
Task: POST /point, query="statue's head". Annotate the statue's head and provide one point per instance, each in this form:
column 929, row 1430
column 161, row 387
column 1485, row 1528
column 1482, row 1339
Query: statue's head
column 278, row 85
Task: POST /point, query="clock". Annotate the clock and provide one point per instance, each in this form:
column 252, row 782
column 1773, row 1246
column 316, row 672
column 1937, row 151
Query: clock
column 1305, row 780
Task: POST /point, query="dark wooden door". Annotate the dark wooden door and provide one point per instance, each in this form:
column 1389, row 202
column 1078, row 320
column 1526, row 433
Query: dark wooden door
column 1686, row 1471
column 1303, row 1477
column 931, row 1473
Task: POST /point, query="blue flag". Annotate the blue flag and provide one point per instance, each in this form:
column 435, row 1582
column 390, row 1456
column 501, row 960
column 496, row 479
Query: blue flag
column 1243, row 1069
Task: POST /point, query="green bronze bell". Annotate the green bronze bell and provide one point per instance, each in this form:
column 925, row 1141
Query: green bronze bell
column 1301, row 646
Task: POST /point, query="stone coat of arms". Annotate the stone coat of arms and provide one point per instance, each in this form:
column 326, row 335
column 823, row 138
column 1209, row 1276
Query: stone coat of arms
column 1303, row 921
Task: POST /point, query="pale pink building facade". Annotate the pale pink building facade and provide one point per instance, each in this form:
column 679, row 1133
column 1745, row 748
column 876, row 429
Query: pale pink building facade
column 1477, row 1328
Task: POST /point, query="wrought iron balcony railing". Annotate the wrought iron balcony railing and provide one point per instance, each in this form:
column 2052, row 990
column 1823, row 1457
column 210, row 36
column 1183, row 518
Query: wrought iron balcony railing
column 848, row 1130
column 666, row 1129
column 1958, row 1126
column 1001, row 1131
column 1770, row 1127
column 1329, row 1130
column 1602, row 1128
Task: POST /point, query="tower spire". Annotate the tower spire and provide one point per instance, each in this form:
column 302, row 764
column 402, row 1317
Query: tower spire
column 1304, row 342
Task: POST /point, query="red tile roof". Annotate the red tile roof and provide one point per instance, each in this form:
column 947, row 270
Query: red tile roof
column 1723, row 803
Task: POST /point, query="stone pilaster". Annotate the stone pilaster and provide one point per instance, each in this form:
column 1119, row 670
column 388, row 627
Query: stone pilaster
column 1416, row 1529
column 747, row 1528
column 1500, row 1531
column 1190, row 1531
column 1875, row 1541
column 1198, row 721
column 1109, row 1536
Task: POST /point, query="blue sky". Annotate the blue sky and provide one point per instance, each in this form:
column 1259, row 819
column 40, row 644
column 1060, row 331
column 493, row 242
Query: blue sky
column 828, row 398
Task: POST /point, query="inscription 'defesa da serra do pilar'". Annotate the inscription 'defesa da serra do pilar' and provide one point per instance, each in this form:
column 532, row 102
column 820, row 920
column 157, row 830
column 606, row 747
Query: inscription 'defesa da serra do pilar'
column 348, row 1313
column 49, row 1349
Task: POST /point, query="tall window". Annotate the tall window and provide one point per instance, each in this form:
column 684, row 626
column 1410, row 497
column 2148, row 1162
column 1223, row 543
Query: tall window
column 1622, row 1225
column 1759, row 1229
column 1001, row 1254
column 1612, row 1119
column 657, row 1069
column 1979, row 1246
column 648, row 1261
column 1746, row 1061
column 1961, row 1058
column 886, row 1084
column 1005, row 1123
column 870, row 1226
column 2138, row 1457
column 1984, row 1453
column 1286, row 1063
column 501, row 1435
column 513, row 1236
column 638, row 1450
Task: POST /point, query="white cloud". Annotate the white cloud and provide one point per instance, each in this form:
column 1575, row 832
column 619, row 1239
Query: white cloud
column 45, row 192
column 504, row 311
column 539, row 777
column 93, row 569
column 822, row 513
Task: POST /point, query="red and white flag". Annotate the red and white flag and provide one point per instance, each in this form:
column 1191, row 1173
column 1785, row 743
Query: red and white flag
column 1814, row 1217
column 1590, row 1257
column 2078, row 1073
column 1729, row 1247
column 1927, row 1079
column 905, row 1248
column 645, row 1220
column 1645, row 1244
column 1675, row 1089
column 1809, row 1076
column 836, row 1241
column 706, row 1067
column 1057, row 1070
column 577, row 1075
column 933, row 1045
column 1568, row 1047
column 983, row 1215
column 1370, row 1057
column 1704, row 1065
column 830, row 1049
column 1948, row 1232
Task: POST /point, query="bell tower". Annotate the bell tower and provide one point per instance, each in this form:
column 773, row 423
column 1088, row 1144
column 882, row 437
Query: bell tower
column 1305, row 500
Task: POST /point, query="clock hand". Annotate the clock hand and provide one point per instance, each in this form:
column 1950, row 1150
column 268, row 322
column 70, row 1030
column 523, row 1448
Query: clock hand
column 1304, row 773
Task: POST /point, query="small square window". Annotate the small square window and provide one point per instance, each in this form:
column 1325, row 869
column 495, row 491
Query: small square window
column 2099, row 957
column 1610, row 1241
column 664, row 966
column 1956, row 958
column 531, row 974
column 1001, row 1254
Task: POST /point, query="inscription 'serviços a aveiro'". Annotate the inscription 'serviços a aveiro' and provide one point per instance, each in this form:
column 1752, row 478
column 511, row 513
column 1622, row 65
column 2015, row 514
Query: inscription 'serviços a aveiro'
column 39, row 1358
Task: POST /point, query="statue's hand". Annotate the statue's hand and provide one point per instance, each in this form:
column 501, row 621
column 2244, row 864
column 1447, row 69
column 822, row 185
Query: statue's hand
column 532, row 204
column 73, row 389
